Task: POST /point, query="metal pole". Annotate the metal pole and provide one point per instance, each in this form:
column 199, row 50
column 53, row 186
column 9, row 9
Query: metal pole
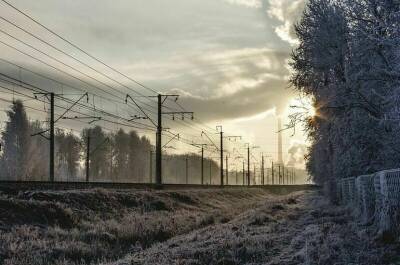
column 279, row 173
column 151, row 166
column 187, row 170
column 244, row 177
column 248, row 165
column 287, row 176
column 262, row 170
column 51, row 171
column 210, row 170
column 294, row 173
column 202, row 164
column 272, row 173
column 236, row 176
column 254, row 175
column 158, row 143
column 222, row 157
column 291, row 176
column 88, row 157
column 227, row 172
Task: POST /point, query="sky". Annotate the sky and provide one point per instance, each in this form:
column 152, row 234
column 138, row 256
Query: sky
column 227, row 59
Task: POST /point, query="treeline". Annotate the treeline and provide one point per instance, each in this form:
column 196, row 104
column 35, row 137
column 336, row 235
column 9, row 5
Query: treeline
column 119, row 157
column 348, row 62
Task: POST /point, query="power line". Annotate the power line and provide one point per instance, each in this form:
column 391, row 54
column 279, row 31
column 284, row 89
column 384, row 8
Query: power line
column 70, row 74
column 33, row 57
column 74, row 111
column 189, row 124
column 22, row 83
column 77, row 47
column 61, row 51
column 17, row 66
column 66, row 73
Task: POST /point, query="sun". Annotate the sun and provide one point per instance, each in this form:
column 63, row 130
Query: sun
column 311, row 111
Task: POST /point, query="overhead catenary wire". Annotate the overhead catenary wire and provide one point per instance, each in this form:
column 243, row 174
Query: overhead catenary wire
column 75, row 46
column 25, row 84
column 60, row 69
column 74, row 111
column 186, row 141
column 66, row 54
column 73, row 76
column 192, row 125
column 182, row 139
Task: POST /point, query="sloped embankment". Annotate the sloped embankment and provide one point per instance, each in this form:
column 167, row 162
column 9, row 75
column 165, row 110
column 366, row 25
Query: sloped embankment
column 91, row 226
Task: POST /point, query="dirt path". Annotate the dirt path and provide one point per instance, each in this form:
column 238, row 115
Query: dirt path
column 300, row 228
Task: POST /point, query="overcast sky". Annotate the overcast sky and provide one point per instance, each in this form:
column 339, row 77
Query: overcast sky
column 227, row 58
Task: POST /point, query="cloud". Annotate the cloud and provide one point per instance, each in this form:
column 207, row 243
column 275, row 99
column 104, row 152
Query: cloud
column 227, row 58
column 241, row 83
column 287, row 12
column 246, row 3
column 266, row 95
column 296, row 152
column 226, row 63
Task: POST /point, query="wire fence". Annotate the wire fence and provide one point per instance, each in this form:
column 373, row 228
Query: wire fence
column 375, row 199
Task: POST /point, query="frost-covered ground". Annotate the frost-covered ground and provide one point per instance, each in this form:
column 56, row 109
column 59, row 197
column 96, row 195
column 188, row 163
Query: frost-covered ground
column 87, row 227
column 230, row 226
column 296, row 229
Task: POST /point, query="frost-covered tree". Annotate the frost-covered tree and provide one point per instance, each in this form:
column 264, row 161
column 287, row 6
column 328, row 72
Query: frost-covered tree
column 120, row 150
column 100, row 153
column 348, row 63
column 319, row 65
column 68, row 154
column 374, row 72
column 39, row 154
column 15, row 159
column 135, row 158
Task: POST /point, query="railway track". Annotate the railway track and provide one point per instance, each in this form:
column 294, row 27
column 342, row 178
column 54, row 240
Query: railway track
column 61, row 185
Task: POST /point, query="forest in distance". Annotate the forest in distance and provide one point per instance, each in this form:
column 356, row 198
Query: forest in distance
column 117, row 157
column 114, row 157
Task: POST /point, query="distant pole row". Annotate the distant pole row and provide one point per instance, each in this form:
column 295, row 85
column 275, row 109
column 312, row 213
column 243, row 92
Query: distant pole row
column 285, row 175
column 275, row 175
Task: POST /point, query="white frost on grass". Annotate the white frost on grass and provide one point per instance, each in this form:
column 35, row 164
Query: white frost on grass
column 105, row 224
column 301, row 228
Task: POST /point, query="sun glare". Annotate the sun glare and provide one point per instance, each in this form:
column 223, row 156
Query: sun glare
column 312, row 111
column 302, row 105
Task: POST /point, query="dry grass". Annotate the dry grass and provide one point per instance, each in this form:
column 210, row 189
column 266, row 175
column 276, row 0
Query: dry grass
column 184, row 227
column 88, row 227
column 301, row 228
